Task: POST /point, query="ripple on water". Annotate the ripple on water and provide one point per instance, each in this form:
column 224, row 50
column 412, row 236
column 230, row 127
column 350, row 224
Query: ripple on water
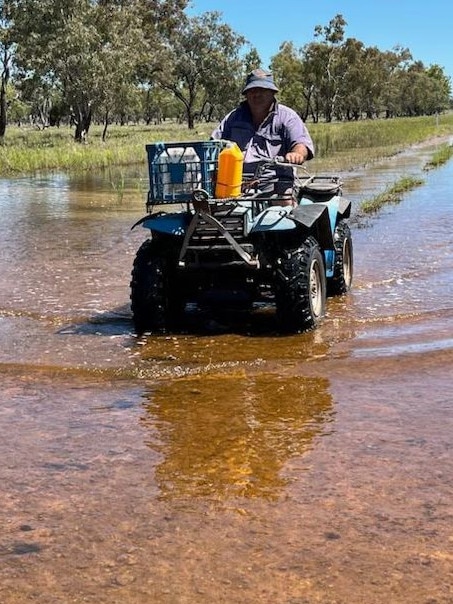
column 406, row 334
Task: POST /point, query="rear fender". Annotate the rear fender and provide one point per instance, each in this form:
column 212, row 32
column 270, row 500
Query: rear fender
column 339, row 208
column 343, row 209
column 168, row 223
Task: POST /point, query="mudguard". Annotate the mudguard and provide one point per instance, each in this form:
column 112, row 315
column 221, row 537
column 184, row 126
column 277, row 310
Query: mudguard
column 338, row 208
column 275, row 218
column 320, row 216
column 316, row 217
column 344, row 208
column 168, row 223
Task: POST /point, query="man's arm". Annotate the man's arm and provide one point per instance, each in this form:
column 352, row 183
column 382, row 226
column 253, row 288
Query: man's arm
column 297, row 137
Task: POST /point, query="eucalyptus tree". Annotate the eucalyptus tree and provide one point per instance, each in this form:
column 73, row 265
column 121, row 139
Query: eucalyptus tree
column 202, row 64
column 44, row 100
column 354, row 88
column 115, row 92
column 223, row 95
column 252, row 60
column 293, row 79
column 326, row 67
column 395, row 64
column 89, row 49
column 18, row 110
column 441, row 88
column 365, row 80
column 6, row 59
column 423, row 91
column 311, row 78
column 157, row 104
column 77, row 46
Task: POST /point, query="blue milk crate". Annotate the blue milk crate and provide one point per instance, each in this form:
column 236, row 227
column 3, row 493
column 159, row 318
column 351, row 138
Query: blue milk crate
column 177, row 169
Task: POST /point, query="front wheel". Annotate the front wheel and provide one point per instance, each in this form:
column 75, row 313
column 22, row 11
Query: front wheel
column 300, row 287
column 341, row 281
column 156, row 303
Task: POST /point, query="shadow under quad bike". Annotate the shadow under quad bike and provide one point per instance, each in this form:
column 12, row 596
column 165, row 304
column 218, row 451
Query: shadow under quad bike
column 237, row 252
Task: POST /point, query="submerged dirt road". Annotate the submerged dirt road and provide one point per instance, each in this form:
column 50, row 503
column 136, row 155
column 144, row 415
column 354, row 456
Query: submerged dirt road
column 232, row 466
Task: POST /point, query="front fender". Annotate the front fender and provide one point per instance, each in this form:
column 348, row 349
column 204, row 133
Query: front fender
column 168, row 223
column 275, row 218
column 316, row 218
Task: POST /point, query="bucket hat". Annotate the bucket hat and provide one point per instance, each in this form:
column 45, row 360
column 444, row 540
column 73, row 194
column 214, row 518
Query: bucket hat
column 259, row 78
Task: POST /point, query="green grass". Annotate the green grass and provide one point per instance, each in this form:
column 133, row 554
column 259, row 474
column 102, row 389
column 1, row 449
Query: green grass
column 347, row 145
column 338, row 145
column 440, row 157
column 392, row 194
column 26, row 150
column 331, row 138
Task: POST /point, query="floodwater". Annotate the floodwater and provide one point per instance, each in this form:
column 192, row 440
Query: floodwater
column 232, row 465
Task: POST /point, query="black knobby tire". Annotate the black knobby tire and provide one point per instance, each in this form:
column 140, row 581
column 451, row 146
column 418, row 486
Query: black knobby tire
column 300, row 287
column 341, row 281
column 156, row 303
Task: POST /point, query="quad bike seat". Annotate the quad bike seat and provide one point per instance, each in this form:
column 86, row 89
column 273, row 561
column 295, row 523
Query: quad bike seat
column 320, row 188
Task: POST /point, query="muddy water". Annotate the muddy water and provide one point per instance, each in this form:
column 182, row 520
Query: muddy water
column 227, row 465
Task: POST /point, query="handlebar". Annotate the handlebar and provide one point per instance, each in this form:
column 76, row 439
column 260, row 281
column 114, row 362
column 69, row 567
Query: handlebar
column 279, row 160
column 274, row 162
column 301, row 179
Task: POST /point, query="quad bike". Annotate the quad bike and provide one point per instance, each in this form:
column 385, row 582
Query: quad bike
column 237, row 251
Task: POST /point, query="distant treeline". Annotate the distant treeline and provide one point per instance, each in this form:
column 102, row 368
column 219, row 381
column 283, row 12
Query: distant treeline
column 142, row 61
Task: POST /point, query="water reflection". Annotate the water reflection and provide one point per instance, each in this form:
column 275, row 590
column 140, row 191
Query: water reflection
column 230, row 435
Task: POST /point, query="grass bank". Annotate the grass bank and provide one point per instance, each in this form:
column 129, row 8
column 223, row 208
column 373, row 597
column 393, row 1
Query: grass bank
column 392, row 194
column 339, row 145
column 440, row 157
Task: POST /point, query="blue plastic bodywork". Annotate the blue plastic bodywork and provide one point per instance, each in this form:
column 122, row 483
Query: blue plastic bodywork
column 170, row 224
column 275, row 218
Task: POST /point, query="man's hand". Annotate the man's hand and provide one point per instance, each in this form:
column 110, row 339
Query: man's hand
column 297, row 155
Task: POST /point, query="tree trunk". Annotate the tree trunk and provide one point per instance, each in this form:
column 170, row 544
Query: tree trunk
column 106, row 123
column 190, row 119
column 82, row 121
column 3, row 119
column 3, row 105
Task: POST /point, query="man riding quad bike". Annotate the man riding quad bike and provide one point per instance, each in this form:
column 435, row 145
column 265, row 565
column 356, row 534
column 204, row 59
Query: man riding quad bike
column 291, row 248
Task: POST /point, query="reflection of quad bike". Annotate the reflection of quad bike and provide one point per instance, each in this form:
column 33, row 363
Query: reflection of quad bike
column 237, row 251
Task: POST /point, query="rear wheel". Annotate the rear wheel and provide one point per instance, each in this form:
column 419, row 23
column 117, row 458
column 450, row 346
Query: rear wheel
column 300, row 287
column 156, row 303
column 341, row 281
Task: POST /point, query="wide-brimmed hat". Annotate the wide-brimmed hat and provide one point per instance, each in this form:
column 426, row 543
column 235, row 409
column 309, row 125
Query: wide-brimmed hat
column 259, row 78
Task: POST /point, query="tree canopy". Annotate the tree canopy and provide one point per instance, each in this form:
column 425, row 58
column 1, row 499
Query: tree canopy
column 124, row 60
column 334, row 77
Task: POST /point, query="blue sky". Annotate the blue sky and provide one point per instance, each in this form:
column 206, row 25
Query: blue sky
column 424, row 27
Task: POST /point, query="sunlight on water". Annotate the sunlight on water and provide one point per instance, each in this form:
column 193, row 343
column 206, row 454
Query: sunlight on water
column 229, row 436
column 406, row 348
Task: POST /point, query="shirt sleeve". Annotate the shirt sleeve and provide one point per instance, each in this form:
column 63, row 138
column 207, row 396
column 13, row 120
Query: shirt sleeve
column 216, row 134
column 295, row 131
column 223, row 129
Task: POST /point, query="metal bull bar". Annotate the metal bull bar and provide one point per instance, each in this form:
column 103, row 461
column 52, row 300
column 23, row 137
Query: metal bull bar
column 202, row 217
